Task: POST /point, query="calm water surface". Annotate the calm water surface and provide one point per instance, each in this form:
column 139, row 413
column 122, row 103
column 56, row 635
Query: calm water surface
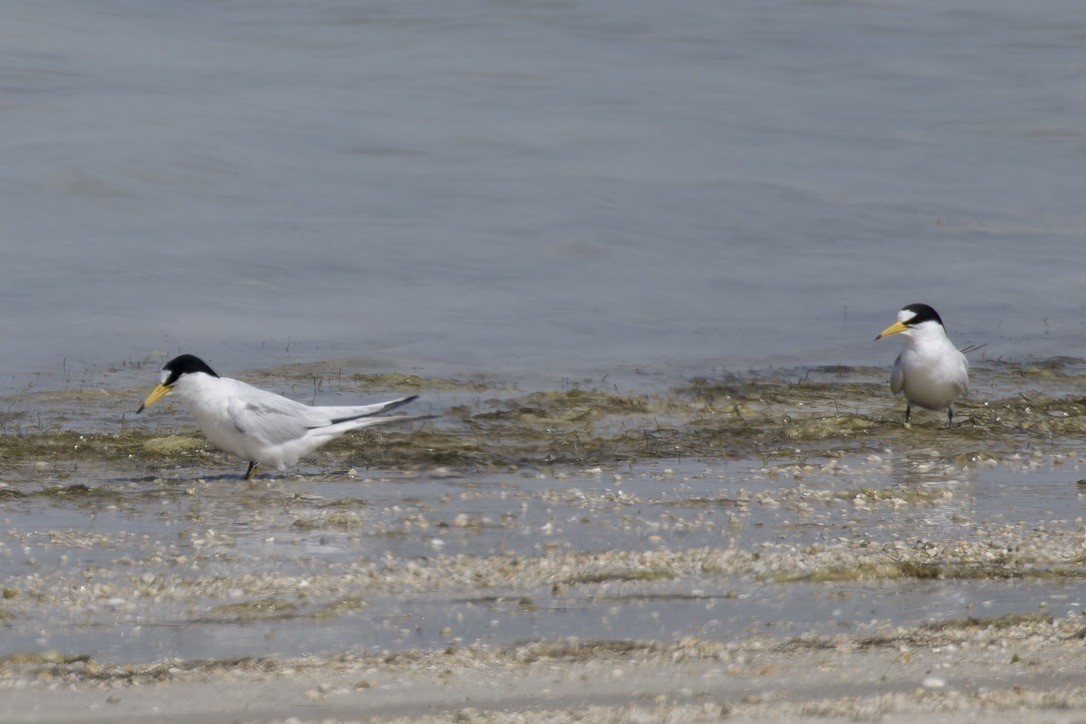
column 536, row 188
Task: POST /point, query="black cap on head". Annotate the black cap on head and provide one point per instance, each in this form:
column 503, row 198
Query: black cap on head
column 184, row 364
column 921, row 313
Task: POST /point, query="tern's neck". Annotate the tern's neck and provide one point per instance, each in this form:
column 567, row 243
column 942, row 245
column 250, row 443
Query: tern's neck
column 194, row 386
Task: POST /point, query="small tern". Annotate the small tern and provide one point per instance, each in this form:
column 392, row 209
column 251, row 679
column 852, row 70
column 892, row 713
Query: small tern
column 930, row 370
column 259, row 426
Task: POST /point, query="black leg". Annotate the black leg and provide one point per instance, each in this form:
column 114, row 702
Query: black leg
column 950, row 415
column 251, row 471
column 908, row 409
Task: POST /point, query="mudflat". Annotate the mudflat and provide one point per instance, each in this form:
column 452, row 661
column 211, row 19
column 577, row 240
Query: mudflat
column 766, row 546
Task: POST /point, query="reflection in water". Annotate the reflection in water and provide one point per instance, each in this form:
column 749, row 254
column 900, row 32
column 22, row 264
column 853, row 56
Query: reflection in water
column 925, row 466
column 948, row 487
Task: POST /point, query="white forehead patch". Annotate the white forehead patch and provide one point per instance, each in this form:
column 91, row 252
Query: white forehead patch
column 905, row 315
column 162, row 376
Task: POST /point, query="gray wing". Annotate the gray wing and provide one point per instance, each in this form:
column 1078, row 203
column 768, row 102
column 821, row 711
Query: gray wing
column 897, row 377
column 965, row 373
column 274, row 419
column 268, row 417
column 343, row 413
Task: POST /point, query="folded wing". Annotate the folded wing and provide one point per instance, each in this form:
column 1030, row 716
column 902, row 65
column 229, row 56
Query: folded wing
column 275, row 420
column 897, row 377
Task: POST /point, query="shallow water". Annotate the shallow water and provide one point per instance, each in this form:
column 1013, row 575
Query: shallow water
column 540, row 196
column 195, row 568
column 534, row 189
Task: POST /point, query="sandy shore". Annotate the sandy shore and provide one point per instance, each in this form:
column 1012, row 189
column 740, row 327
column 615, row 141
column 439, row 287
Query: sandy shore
column 766, row 548
column 986, row 672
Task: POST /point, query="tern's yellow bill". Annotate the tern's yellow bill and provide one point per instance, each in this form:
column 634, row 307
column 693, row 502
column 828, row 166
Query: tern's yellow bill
column 157, row 394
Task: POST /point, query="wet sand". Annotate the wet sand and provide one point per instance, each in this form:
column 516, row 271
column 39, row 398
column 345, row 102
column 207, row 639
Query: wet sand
column 772, row 546
column 982, row 672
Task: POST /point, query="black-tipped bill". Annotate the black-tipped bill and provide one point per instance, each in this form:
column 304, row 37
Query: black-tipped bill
column 157, row 394
column 892, row 329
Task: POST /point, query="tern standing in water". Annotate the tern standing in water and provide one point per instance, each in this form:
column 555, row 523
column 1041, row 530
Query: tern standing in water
column 931, row 371
column 259, row 426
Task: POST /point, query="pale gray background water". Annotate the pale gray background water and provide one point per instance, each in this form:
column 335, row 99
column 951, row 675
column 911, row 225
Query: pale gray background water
column 536, row 187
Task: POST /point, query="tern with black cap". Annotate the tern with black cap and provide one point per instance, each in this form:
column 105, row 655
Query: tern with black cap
column 931, row 371
column 260, row 426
